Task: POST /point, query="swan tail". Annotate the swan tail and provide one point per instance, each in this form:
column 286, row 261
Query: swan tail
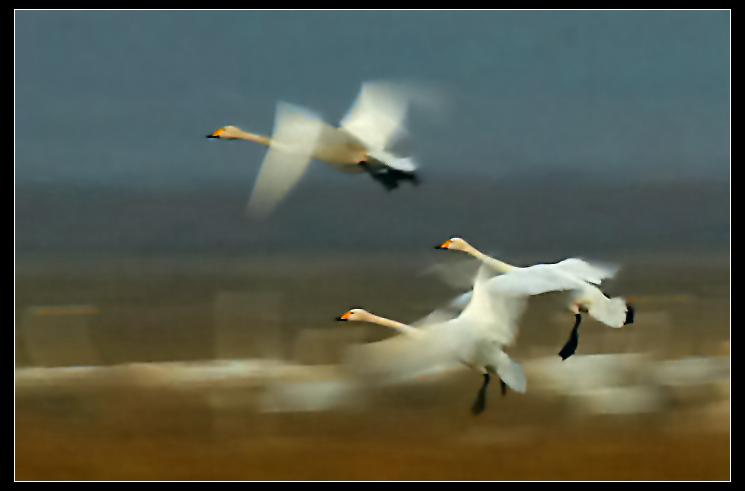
column 389, row 177
column 614, row 312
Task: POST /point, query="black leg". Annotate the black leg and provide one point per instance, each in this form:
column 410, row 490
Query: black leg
column 503, row 387
column 480, row 403
column 571, row 345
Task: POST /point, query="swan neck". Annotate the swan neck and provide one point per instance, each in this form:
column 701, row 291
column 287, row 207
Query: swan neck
column 252, row 137
column 382, row 321
column 496, row 264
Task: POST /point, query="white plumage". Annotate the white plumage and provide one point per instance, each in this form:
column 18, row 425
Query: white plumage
column 361, row 143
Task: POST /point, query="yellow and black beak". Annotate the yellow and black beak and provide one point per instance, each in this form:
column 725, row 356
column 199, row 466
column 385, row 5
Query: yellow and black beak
column 444, row 245
column 216, row 134
column 343, row 317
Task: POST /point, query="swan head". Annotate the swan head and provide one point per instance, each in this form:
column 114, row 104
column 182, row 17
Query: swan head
column 454, row 244
column 226, row 133
column 352, row 315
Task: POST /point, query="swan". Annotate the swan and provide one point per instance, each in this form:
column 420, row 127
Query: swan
column 572, row 274
column 359, row 144
column 475, row 339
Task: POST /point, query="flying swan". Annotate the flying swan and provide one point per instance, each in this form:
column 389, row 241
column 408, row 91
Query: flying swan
column 359, row 144
column 475, row 339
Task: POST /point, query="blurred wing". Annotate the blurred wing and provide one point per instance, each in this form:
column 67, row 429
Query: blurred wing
column 377, row 115
column 439, row 316
column 455, row 272
column 296, row 132
column 402, row 358
column 592, row 273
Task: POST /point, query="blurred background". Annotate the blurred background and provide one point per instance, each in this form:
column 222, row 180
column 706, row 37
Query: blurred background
column 160, row 334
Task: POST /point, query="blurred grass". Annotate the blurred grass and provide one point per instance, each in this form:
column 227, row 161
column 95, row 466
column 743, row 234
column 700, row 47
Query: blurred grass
column 160, row 309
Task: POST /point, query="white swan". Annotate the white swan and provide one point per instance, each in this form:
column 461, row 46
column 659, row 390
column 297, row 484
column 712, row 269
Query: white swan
column 359, row 144
column 475, row 338
column 572, row 274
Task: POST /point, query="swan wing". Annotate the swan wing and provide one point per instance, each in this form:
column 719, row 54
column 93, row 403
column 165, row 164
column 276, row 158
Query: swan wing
column 570, row 274
column 296, row 132
column 593, row 273
column 455, row 308
column 435, row 317
column 377, row 115
column 534, row 280
column 522, row 282
column 455, row 272
column 403, row 357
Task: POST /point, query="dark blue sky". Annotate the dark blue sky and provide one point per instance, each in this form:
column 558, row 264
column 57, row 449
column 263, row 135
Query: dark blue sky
column 126, row 97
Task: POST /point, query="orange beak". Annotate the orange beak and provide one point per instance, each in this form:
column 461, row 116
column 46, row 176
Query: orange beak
column 216, row 133
column 444, row 245
column 344, row 317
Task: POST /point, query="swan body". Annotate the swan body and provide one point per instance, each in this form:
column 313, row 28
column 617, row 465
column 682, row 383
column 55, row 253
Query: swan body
column 358, row 145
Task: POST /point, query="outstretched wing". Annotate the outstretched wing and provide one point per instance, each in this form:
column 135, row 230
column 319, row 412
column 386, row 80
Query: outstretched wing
column 525, row 282
column 534, row 280
column 296, row 132
column 593, row 273
column 377, row 115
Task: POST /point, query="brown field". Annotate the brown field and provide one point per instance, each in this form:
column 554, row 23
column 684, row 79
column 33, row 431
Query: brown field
column 194, row 309
column 135, row 443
